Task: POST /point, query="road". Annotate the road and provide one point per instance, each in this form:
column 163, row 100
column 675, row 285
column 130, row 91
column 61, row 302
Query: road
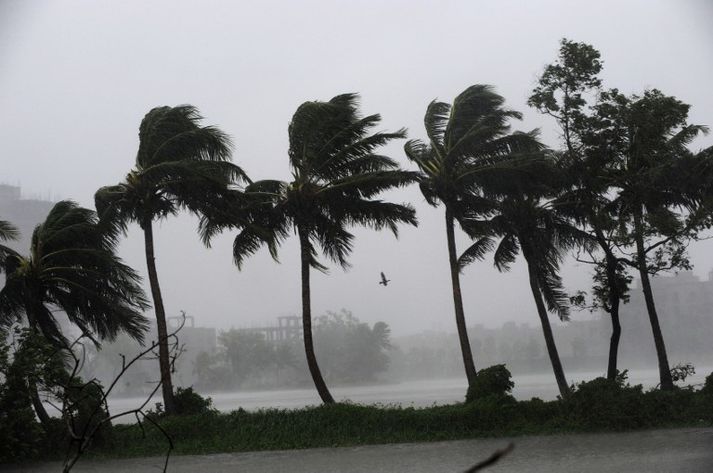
column 666, row 451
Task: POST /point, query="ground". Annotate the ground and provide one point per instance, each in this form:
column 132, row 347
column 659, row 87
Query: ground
column 664, row 451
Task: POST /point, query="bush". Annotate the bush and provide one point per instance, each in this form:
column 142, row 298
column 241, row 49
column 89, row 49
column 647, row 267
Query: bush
column 88, row 411
column 189, row 402
column 494, row 381
column 605, row 404
column 706, row 399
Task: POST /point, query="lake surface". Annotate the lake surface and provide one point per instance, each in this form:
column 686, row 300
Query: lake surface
column 408, row 393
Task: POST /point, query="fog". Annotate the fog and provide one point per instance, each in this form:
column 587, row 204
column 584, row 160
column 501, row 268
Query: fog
column 76, row 78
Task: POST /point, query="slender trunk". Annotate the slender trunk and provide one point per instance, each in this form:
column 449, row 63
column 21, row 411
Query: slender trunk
column 614, row 303
column 30, row 308
column 664, row 369
column 614, row 343
column 307, row 323
column 40, row 410
column 468, row 363
column 163, row 352
column 547, row 331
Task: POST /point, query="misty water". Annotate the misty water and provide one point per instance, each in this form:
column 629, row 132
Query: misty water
column 419, row 393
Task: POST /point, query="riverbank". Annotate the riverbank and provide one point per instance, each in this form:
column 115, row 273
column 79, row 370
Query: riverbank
column 595, row 406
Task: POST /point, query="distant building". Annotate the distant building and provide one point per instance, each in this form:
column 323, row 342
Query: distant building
column 289, row 327
column 684, row 304
column 24, row 214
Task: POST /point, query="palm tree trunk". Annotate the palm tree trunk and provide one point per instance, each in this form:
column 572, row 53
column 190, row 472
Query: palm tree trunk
column 319, row 383
column 163, row 352
column 468, row 363
column 547, row 331
column 664, row 369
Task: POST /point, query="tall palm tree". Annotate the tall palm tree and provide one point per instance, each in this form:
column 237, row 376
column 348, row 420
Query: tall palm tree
column 467, row 144
column 72, row 268
column 180, row 165
column 336, row 175
column 523, row 218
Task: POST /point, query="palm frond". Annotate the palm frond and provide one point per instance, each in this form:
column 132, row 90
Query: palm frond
column 476, row 252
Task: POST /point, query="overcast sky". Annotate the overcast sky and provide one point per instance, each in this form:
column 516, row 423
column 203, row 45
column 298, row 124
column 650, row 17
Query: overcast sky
column 76, row 78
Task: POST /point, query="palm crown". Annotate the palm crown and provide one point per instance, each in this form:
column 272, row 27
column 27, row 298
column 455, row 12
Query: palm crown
column 470, row 144
column 179, row 165
column 336, row 175
column 72, row 267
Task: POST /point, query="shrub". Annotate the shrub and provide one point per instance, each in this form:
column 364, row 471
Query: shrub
column 706, row 399
column 189, row 402
column 493, row 381
column 605, row 404
column 87, row 411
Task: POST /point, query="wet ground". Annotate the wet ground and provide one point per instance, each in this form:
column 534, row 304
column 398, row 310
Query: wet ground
column 657, row 451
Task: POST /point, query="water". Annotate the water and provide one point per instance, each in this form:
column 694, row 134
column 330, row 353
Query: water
column 420, row 393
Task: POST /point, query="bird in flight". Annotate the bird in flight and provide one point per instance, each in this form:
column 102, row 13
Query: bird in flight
column 384, row 282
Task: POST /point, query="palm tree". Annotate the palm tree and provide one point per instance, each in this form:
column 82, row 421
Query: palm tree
column 336, row 175
column 180, row 165
column 467, row 144
column 71, row 268
column 524, row 218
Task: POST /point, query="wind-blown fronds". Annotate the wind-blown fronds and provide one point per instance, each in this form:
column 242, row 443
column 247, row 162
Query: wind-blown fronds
column 72, row 267
column 180, row 165
column 337, row 174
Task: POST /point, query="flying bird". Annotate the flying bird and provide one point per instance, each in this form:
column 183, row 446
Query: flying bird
column 384, row 282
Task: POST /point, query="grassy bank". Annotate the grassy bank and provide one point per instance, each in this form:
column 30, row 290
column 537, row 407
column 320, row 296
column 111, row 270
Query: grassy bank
column 599, row 408
column 597, row 405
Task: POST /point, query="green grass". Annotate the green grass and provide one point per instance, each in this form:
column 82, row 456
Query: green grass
column 348, row 424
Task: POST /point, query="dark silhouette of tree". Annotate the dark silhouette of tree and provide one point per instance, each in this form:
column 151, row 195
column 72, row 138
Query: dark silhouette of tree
column 180, row 165
column 564, row 92
column 657, row 201
column 467, row 144
column 71, row 267
column 336, row 175
column 523, row 218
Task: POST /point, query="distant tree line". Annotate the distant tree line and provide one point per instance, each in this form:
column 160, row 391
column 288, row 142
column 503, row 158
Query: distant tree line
column 621, row 191
column 353, row 352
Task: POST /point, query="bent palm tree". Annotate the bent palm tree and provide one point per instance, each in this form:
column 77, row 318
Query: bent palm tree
column 336, row 175
column 72, row 267
column 179, row 165
column 522, row 216
column 468, row 142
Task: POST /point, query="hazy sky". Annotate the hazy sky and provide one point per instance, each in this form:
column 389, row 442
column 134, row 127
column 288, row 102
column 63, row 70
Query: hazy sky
column 76, row 78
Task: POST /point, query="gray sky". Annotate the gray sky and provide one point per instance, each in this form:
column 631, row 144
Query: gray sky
column 76, row 78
